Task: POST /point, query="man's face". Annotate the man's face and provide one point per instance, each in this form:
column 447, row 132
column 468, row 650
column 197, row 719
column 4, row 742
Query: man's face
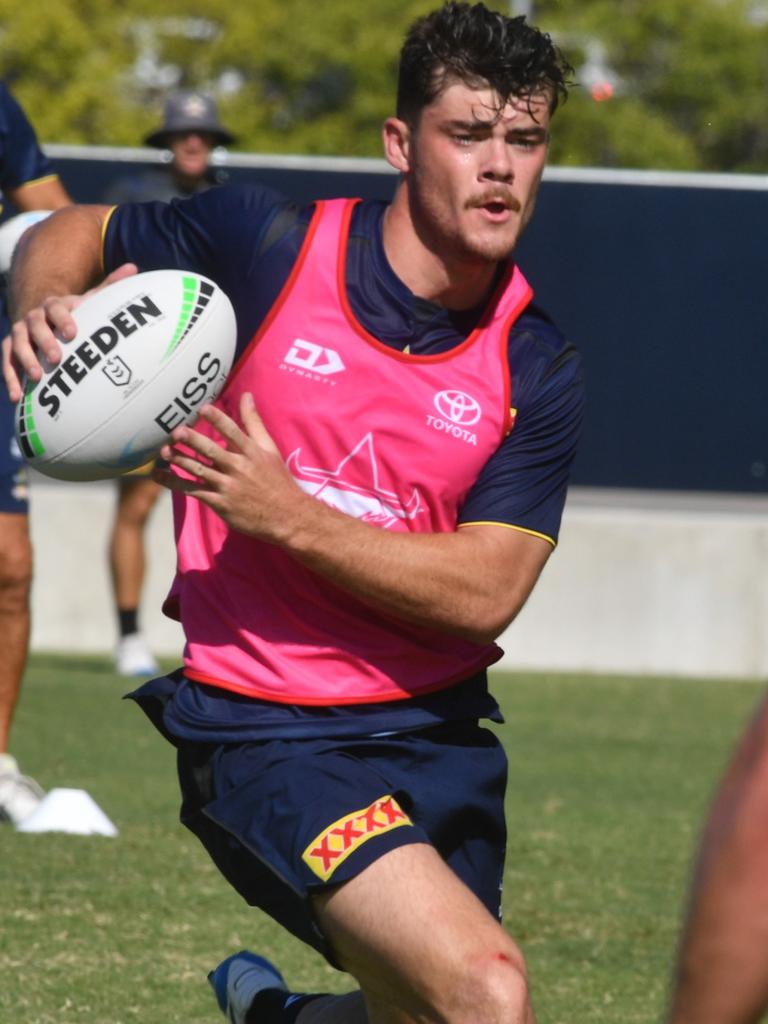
column 191, row 152
column 474, row 170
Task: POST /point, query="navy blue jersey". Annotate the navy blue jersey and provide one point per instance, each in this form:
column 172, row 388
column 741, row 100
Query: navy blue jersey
column 247, row 240
column 22, row 162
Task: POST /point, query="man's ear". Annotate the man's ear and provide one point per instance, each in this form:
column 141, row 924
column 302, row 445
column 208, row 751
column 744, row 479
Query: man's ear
column 396, row 136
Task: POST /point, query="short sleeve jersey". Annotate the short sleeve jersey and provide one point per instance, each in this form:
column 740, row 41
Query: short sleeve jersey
column 247, row 239
column 22, row 162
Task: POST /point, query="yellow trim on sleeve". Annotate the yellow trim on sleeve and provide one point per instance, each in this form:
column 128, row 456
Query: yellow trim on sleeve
column 104, row 234
column 37, row 181
column 511, row 526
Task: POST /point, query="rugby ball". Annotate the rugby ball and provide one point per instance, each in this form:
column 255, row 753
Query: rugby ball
column 11, row 231
column 149, row 351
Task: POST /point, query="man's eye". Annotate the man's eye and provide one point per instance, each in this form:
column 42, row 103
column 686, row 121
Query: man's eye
column 527, row 142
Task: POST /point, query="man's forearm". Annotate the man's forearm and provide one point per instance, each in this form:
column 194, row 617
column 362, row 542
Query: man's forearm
column 59, row 256
column 471, row 583
column 47, row 194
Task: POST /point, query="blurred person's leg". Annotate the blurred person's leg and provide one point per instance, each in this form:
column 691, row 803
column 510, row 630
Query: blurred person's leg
column 136, row 497
column 19, row 795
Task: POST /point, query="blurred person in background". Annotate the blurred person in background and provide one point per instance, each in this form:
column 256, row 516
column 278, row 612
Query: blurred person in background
column 28, row 183
column 722, row 968
column 190, row 132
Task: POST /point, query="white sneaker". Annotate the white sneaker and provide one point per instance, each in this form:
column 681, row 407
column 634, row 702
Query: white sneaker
column 134, row 658
column 19, row 795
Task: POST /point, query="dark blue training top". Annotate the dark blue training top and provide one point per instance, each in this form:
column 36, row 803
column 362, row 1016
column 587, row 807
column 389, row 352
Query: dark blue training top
column 21, row 162
column 247, row 239
column 21, row 159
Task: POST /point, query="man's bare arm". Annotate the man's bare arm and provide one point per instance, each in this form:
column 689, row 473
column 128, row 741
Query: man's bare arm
column 471, row 582
column 46, row 194
column 55, row 262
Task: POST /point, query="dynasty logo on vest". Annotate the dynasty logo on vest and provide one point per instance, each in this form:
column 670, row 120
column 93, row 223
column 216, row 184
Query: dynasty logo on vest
column 314, row 361
column 458, row 411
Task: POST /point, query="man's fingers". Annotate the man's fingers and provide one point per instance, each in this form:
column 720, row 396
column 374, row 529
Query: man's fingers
column 198, row 468
column 253, row 423
column 55, row 314
column 11, row 372
column 23, row 354
column 180, row 484
column 187, row 437
column 225, row 426
column 39, row 333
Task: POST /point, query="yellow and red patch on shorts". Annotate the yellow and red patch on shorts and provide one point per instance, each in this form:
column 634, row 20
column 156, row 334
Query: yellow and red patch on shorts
column 335, row 843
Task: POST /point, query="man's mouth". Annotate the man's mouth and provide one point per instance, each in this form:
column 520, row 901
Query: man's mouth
column 495, row 204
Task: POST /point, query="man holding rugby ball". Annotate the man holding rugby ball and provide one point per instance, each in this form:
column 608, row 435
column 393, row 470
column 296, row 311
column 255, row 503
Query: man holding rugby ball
column 362, row 512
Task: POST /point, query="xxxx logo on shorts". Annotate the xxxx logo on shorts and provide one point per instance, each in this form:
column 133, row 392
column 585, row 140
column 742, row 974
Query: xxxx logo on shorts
column 335, row 843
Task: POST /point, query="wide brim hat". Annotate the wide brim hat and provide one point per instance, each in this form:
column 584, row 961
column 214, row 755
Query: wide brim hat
column 190, row 112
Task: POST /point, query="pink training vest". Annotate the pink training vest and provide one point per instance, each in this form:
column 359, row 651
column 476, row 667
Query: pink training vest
column 393, row 439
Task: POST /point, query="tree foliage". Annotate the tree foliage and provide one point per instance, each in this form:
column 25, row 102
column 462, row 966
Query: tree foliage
column 691, row 81
column 294, row 76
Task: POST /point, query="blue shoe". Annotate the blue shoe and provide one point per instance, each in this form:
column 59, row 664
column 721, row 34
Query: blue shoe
column 239, row 979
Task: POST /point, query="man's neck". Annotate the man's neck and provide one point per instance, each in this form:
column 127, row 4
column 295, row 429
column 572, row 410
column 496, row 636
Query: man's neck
column 459, row 284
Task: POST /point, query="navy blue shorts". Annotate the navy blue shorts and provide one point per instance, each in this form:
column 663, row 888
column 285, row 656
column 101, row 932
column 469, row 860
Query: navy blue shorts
column 283, row 819
column 14, row 490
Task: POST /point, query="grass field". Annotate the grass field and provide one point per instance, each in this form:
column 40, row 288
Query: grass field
column 609, row 779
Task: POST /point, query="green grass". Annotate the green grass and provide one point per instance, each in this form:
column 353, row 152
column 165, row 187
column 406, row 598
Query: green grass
column 609, row 780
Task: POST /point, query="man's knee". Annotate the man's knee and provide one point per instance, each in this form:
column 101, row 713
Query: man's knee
column 491, row 987
column 501, row 986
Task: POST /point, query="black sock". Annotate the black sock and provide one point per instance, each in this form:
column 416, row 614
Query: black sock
column 129, row 620
column 268, row 1007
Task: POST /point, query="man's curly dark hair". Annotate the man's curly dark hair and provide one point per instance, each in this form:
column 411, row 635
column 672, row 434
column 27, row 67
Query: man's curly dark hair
column 469, row 43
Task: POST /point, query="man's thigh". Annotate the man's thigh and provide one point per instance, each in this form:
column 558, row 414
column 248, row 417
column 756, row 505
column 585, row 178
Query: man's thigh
column 416, row 939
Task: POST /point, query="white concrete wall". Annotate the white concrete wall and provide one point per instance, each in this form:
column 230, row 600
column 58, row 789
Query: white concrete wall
column 640, row 583
column 72, row 608
column 651, row 584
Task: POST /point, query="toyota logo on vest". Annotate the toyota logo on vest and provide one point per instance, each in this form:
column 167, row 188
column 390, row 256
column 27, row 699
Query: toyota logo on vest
column 457, row 407
column 458, row 411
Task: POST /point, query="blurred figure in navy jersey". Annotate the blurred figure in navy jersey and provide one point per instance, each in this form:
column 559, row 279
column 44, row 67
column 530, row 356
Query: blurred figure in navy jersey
column 190, row 132
column 28, row 183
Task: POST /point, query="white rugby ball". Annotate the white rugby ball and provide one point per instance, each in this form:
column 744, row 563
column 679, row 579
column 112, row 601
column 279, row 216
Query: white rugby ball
column 148, row 352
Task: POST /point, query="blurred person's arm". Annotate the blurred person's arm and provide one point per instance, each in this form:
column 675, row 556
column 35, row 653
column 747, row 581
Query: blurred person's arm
column 45, row 194
column 722, row 969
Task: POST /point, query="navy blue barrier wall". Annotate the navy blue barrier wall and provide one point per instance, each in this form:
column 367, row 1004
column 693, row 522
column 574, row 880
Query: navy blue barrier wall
column 659, row 279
